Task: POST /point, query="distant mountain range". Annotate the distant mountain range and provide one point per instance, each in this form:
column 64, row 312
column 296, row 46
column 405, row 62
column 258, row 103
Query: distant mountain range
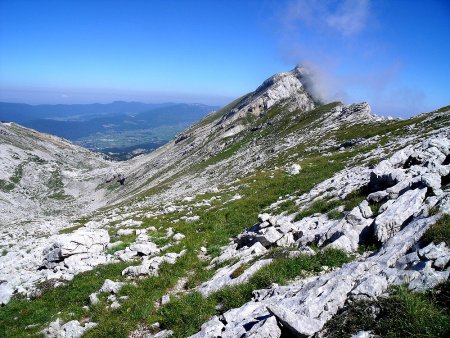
column 122, row 126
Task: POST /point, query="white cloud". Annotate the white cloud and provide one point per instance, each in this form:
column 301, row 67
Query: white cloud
column 350, row 17
column 321, row 84
column 327, row 37
column 346, row 18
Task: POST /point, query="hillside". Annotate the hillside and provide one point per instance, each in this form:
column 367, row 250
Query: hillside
column 118, row 129
column 276, row 216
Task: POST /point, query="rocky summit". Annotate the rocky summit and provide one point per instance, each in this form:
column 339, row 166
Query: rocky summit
column 276, row 216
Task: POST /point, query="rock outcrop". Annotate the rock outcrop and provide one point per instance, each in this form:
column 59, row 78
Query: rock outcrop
column 76, row 252
column 150, row 266
column 287, row 86
column 71, row 329
column 303, row 307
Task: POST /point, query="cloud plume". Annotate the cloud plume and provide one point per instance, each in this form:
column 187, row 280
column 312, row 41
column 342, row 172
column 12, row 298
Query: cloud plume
column 330, row 38
column 347, row 17
column 350, row 17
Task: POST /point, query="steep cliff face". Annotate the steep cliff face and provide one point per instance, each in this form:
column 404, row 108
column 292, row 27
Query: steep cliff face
column 287, row 88
column 264, row 219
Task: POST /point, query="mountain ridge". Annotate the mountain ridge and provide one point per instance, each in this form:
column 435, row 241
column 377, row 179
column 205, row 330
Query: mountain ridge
column 112, row 129
column 42, row 111
column 331, row 198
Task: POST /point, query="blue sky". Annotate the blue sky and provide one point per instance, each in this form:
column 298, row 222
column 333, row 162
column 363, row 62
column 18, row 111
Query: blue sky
column 393, row 54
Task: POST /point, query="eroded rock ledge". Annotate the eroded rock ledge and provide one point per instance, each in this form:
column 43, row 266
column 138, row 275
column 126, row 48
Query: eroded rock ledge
column 408, row 187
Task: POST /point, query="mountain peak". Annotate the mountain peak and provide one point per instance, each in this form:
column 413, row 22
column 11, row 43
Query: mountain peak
column 286, row 88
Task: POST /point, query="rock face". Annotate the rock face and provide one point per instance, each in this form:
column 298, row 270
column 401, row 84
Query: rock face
column 227, row 275
column 302, row 307
column 356, row 112
column 282, row 86
column 77, row 250
column 300, row 326
column 397, row 213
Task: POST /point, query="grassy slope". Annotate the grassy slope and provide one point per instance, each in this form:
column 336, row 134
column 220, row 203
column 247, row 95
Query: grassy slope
column 213, row 230
column 216, row 225
column 402, row 314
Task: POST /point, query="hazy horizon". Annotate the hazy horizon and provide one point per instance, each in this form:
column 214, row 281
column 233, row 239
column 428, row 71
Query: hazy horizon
column 48, row 97
column 111, row 102
column 392, row 54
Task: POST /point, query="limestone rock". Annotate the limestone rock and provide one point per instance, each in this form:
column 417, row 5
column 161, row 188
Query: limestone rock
column 425, row 277
column 299, row 325
column 365, row 209
column 93, row 298
column 264, row 217
column 403, row 186
column 5, row 294
column 307, row 304
column 377, row 196
column 165, row 299
column 433, row 251
column 390, row 221
column 161, row 334
column 363, row 334
column 71, row 329
column 286, row 240
column 79, row 242
column 150, row 266
column 125, row 232
column 178, row 237
column 279, row 87
column 433, row 181
column 231, row 252
column 210, row 329
column 224, row 276
column 293, row 169
column 442, row 262
column 146, row 249
column 267, row 328
column 111, row 286
column 406, row 260
column 192, row 219
column 268, row 236
column 370, row 287
column 126, row 255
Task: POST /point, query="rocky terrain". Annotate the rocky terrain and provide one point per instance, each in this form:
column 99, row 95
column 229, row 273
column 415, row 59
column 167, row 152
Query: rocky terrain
column 276, row 216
